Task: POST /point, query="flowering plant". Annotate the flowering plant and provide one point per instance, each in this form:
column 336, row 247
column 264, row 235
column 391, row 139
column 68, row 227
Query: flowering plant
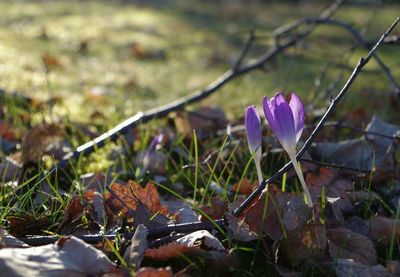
column 253, row 131
column 287, row 122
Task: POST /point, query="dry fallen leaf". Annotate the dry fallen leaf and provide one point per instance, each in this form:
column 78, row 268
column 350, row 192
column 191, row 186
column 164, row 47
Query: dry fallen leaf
column 202, row 239
column 216, row 209
column 8, row 241
column 7, row 131
column 139, row 52
column 370, row 152
column 278, row 214
column 140, row 204
column 306, row 244
column 204, row 121
column 69, row 256
column 9, row 169
column 180, row 210
column 22, row 225
column 134, row 253
column 244, row 187
column 238, row 229
column 330, row 179
column 51, row 61
column 166, row 252
column 154, row 272
column 199, row 242
column 383, row 228
column 345, row 244
column 348, row 267
column 37, row 139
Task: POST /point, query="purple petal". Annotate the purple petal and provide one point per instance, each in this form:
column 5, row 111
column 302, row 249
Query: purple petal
column 298, row 114
column 253, row 129
column 269, row 111
column 284, row 118
column 279, row 98
column 153, row 145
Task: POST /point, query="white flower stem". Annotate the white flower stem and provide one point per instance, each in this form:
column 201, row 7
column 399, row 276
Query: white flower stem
column 307, row 196
column 258, row 168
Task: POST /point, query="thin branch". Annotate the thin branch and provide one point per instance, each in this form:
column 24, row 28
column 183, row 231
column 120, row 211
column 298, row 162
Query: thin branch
column 362, row 62
column 245, row 50
column 153, row 233
column 323, row 164
column 143, row 117
column 389, row 40
column 288, row 28
column 360, row 39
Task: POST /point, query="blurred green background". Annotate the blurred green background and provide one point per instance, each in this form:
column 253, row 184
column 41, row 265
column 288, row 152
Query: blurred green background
column 119, row 57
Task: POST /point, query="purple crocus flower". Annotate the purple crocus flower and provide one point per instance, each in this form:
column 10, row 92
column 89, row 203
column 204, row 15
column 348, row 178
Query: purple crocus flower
column 153, row 145
column 151, row 150
column 253, row 132
column 287, row 122
column 285, row 119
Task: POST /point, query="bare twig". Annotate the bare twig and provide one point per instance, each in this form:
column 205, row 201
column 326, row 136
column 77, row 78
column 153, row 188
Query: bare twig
column 283, row 30
column 362, row 62
column 161, row 111
column 360, row 39
column 323, row 164
column 389, row 40
column 153, row 233
column 245, row 49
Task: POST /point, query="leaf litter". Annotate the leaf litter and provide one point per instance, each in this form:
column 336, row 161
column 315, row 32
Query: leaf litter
column 351, row 182
column 340, row 234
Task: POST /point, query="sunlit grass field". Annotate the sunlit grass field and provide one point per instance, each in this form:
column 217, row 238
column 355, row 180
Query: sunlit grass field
column 118, row 58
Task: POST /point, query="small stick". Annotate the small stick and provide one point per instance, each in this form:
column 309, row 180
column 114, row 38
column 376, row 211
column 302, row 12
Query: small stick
column 245, row 49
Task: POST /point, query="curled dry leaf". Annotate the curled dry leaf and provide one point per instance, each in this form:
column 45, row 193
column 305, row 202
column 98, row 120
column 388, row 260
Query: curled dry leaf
column 134, row 253
column 69, row 256
column 203, row 239
column 199, row 242
column 345, row 244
